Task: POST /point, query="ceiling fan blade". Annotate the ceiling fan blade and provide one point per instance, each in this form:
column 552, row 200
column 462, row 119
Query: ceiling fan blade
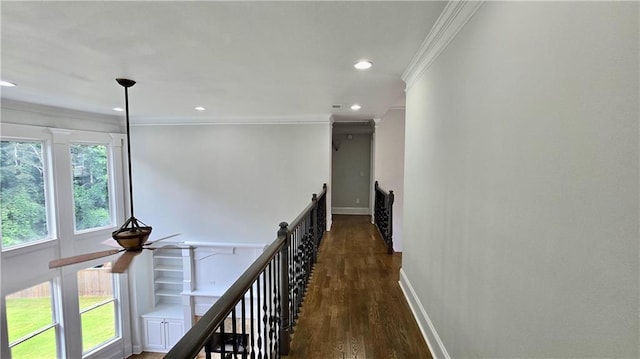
column 161, row 239
column 122, row 263
column 81, row 258
column 110, row 242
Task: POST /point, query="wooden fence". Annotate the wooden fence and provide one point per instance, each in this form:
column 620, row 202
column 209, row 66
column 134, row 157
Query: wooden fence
column 92, row 282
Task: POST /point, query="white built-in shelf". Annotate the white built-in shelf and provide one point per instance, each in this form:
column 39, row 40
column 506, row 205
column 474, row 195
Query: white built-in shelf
column 164, row 256
column 168, row 275
column 168, row 268
column 168, row 280
column 167, row 292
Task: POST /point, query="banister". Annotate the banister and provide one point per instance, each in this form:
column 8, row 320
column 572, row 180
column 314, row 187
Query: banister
column 192, row 342
column 383, row 214
column 288, row 261
column 309, row 207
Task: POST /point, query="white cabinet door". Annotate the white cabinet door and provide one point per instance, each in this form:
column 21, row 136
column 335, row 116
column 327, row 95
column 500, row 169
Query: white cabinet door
column 174, row 329
column 154, row 334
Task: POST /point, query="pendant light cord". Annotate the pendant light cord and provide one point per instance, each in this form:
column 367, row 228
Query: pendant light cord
column 126, row 102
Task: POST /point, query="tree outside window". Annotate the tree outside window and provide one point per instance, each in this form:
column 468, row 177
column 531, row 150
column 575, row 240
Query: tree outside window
column 90, row 186
column 22, row 193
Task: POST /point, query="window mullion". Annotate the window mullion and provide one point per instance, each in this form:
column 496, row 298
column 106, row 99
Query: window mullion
column 31, row 335
column 98, row 305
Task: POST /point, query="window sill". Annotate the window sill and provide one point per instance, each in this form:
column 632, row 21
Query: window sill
column 29, row 247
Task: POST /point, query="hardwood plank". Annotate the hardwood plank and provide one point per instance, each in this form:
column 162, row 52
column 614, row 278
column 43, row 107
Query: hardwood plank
column 354, row 307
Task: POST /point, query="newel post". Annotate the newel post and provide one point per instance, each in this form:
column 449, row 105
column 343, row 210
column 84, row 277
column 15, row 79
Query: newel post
column 285, row 325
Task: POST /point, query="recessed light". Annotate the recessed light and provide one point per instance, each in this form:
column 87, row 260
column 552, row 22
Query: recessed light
column 118, row 109
column 199, row 108
column 363, row 65
column 7, row 84
column 356, row 107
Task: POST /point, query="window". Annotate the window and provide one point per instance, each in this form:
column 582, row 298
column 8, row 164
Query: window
column 90, row 186
column 97, row 306
column 23, row 204
column 31, row 323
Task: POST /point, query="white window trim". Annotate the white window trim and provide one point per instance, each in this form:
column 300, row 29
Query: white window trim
column 55, row 318
column 12, row 132
column 110, row 191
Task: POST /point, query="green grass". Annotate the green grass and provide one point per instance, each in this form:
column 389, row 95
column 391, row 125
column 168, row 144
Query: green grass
column 26, row 315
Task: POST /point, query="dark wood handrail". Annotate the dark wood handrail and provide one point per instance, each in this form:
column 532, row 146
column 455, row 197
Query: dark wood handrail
column 191, row 344
column 309, row 207
column 293, row 253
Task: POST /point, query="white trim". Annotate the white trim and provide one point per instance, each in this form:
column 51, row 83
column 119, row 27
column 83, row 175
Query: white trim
column 266, row 120
column 454, row 16
column 61, row 112
column 424, row 322
column 137, row 349
column 351, row 210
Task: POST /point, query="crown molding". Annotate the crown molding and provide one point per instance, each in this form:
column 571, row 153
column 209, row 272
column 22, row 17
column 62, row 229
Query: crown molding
column 454, row 16
column 59, row 112
column 266, row 120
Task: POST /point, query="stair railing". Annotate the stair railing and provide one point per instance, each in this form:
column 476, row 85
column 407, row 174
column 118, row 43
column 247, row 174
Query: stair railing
column 383, row 215
column 255, row 317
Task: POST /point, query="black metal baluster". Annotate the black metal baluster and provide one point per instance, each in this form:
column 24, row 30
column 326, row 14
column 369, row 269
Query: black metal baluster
column 223, row 349
column 292, row 280
column 271, row 316
column 264, row 315
column 234, row 333
column 310, row 246
column 244, row 327
column 297, row 276
column 276, row 298
column 253, row 331
column 259, row 340
column 313, row 229
column 301, row 259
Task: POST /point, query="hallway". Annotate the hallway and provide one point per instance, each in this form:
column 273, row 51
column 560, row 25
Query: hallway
column 354, row 307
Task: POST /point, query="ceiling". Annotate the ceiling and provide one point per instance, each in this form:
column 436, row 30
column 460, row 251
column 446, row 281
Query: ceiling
column 239, row 60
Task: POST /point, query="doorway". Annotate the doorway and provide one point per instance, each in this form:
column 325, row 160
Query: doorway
column 351, row 168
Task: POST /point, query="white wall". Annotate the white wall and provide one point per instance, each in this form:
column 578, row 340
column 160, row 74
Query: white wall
column 389, row 165
column 521, row 183
column 223, row 183
column 227, row 183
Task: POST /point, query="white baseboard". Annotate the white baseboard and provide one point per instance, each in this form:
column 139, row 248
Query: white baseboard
column 350, row 210
column 137, row 349
column 424, row 322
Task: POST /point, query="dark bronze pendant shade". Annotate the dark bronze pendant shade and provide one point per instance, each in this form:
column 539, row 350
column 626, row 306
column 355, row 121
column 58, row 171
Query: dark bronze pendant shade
column 133, row 233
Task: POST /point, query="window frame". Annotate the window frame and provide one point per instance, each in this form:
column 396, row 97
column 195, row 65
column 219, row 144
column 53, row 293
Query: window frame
column 56, row 317
column 58, row 181
column 110, row 187
column 18, row 133
column 115, row 299
column 65, row 241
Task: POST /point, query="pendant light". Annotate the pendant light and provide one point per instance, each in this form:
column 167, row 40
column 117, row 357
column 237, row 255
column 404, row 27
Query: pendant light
column 133, row 233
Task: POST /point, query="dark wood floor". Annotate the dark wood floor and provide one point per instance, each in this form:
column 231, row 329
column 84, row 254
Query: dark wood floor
column 354, row 307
